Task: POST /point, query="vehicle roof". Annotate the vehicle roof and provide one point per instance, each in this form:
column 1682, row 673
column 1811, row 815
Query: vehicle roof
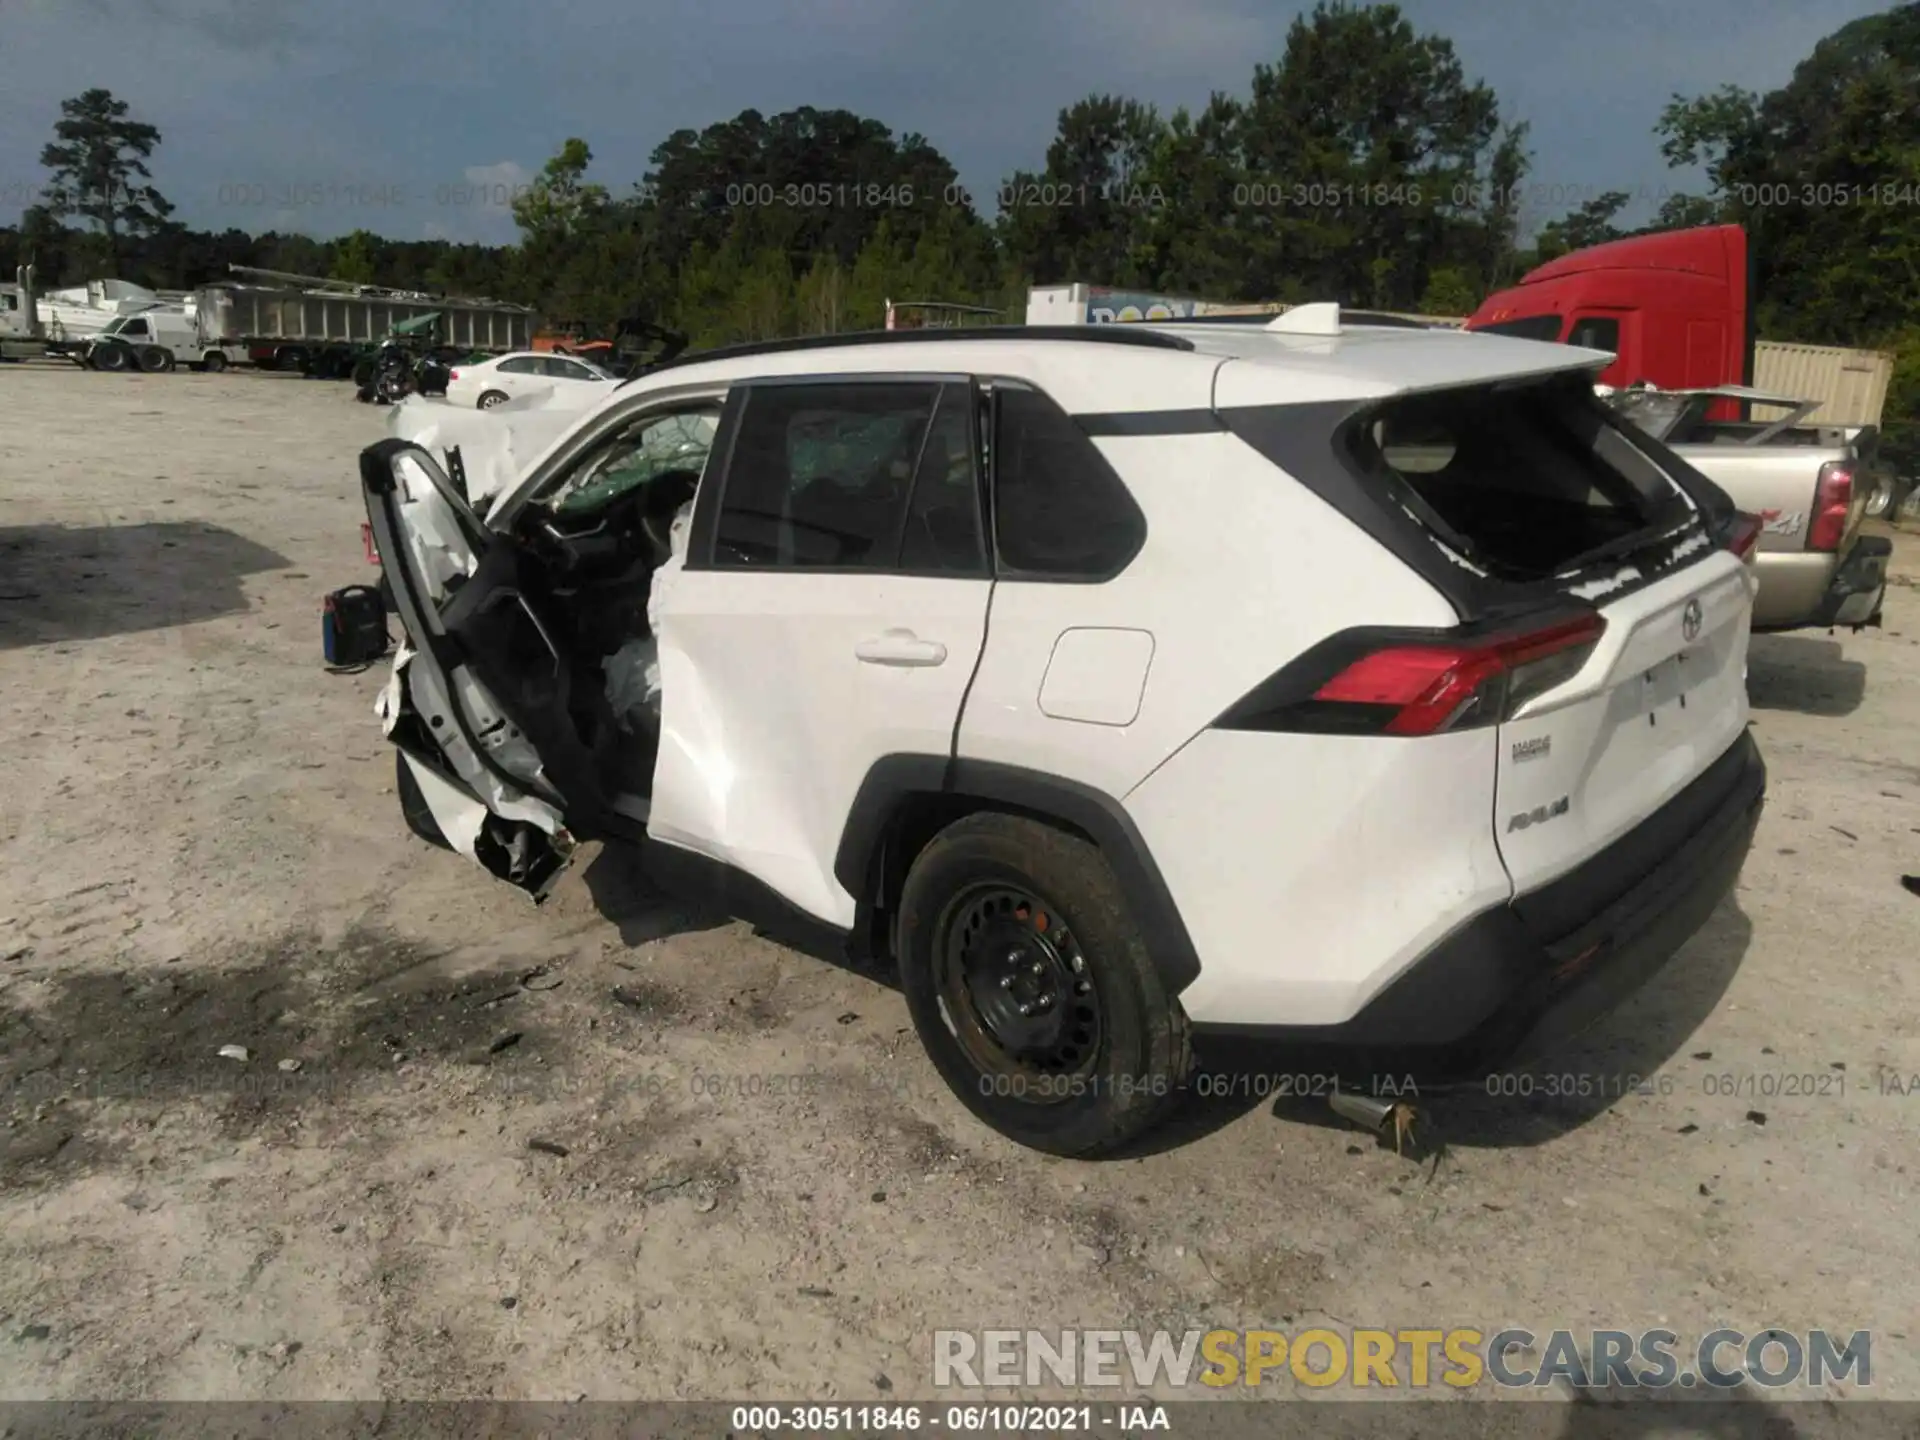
column 1095, row 375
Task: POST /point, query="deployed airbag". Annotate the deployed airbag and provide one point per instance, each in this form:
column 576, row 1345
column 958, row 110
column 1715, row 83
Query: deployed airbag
column 633, row 671
column 496, row 446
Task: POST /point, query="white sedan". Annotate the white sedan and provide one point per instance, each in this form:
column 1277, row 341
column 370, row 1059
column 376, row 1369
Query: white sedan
column 572, row 384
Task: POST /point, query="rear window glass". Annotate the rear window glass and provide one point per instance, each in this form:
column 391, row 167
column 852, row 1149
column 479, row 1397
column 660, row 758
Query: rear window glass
column 1527, row 481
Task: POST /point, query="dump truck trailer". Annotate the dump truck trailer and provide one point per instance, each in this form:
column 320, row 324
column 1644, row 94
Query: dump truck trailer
column 281, row 321
column 297, row 322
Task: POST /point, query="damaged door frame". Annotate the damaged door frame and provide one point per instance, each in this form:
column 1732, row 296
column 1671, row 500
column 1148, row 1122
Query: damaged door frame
column 531, row 856
column 525, row 854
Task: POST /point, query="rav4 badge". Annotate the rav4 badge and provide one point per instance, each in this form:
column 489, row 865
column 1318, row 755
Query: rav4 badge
column 1540, row 814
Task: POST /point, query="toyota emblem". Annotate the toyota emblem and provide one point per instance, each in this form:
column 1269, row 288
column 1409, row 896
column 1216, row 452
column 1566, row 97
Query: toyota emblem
column 1690, row 622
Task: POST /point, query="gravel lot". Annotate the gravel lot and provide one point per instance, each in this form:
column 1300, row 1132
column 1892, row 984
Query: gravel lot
column 764, row 1189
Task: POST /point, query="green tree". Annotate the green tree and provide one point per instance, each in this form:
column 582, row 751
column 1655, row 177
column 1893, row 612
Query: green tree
column 98, row 161
column 1088, row 213
column 1194, row 243
column 47, row 245
column 1588, row 224
column 1824, row 173
column 356, row 258
column 1360, row 162
column 807, row 181
column 1379, row 146
column 1495, row 248
column 558, row 205
column 1450, row 291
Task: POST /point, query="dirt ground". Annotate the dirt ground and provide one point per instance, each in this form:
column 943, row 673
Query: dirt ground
column 752, row 1183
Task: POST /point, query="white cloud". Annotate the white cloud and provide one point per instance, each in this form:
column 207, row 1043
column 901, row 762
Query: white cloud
column 504, row 177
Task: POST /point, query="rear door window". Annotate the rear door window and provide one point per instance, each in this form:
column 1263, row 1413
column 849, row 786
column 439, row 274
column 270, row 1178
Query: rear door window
column 821, row 474
column 1527, row 482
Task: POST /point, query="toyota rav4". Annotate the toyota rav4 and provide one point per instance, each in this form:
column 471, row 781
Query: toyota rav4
column 1371, row 692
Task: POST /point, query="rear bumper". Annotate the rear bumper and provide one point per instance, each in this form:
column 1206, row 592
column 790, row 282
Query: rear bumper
column 1521, row 979
column 1806, row 590
column 1859, row 586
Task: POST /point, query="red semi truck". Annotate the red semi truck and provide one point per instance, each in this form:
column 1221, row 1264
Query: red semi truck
column 1671, row 307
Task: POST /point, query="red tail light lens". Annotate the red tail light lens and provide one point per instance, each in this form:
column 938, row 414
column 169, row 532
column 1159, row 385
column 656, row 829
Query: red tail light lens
column 1431, row 688
column 1744, row 538
column 1832, row 500
column 366, row 539
column 1417, row 684
column 453, row 374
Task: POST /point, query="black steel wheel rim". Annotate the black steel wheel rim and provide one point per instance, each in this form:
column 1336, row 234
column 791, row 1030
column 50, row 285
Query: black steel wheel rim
column 1018, row 991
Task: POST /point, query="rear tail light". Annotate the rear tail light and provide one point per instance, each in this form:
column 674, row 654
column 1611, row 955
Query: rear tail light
column 453, row 374
column 1832, row 500
column 1426, row 687
column 1744, row 537
column 366, row 539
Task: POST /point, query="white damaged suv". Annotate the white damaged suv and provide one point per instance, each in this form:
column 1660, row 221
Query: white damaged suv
column 1367, row 691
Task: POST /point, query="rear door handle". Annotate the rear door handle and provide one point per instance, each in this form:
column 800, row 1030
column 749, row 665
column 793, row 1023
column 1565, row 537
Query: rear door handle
column 900, row 647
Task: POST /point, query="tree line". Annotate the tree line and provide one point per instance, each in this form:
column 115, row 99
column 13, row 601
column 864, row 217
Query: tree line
column 1363, row 164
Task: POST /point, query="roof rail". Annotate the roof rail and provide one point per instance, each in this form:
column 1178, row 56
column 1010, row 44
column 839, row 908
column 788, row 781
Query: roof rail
column 1094, row 334
column 1259, row 320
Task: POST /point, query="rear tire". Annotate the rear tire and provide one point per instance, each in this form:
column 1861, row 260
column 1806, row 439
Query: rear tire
column 154, row 360
column 1000, row 911
column 413, row 804
column 490, row 399
column 110, row 357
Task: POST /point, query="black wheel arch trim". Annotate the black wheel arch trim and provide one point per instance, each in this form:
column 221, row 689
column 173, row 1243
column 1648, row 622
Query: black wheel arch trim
column 894, row 780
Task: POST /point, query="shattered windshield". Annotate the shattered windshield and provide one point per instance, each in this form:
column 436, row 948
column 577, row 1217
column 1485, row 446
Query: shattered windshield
column 646, row 450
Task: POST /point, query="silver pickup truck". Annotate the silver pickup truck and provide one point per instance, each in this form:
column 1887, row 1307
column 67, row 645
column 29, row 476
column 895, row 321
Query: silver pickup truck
column 1807, row 484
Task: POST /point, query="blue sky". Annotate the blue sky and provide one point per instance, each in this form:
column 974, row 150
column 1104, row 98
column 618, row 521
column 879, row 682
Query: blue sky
column 412, row 119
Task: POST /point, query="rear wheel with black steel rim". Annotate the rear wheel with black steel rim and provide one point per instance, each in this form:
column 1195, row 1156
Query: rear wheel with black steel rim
column 1032, row 989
